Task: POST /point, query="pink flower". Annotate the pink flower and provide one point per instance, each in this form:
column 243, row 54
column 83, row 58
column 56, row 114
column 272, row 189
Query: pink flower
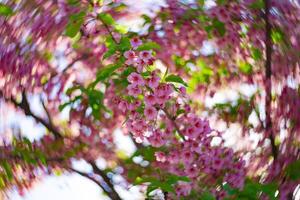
column 135, row 42
column 183, row 189
column 153, row 82
column 134, row 90
column 160, row 156
column 134, row 105
column 150, row 112
column 130, row 57
column 123, row 106
column 217, row 163
column 173, row 157
column 191, row 132
column 187, row 157
column 156, row 139
column 136, row 79
column 182, row 91
column 140, row 63
column 145, row 55
column 192, row 171
column 150, row 100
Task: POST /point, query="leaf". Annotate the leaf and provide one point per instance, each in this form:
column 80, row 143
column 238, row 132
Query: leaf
column 175, row 79
column 111, row 51
column 172, row 179
column 292, row 170
column 124, row 44
column 75, row 22
column 121, row 28
column 245, row 68
column 106, row 18
column 219, row 26
column 7, row 169
column 5, row 10
column 63, row 106
column 256, row 54
column 148, row 46
column 146, row 18
column 207, row 196
column 106, row 72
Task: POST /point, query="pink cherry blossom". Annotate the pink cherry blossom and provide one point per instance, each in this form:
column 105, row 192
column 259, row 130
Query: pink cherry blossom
column 153, row 81
column 150, row 100
column 135, row 42
column 150, row 112
column 160, row 156
column 145, row 55
column 123, row 106
column 130, row 57
column 136, row 79
column 134, row 90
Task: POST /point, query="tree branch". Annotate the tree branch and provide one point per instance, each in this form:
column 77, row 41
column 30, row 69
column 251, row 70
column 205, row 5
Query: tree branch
column 92, row 179
column 97, row 170
column 24, row 105
column 268, row 81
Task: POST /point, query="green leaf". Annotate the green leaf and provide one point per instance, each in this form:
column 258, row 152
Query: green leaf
column 106, row 18
column 121, row 28
column 207, row 196
column 111, row 51
column 245, row 68
column 293, row 169
column 172, row 179
column 73, row 2
column 256, row 54
column 75, row 22
column 5, row 10
column 63, row 106
column 148, row 46
column 175, row 79
column 124, row 44
column 147, row 19
column 219, row 26
column 7, row 169
column 106, row 72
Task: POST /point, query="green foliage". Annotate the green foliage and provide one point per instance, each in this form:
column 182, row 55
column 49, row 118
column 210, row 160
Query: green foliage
column 293, row 170
column 148, row 46
column 252, row 190
column 75, row 22
column 219, row 26
column 166, row 185
column 202, row 76
column 71, row 102
column 106, row 18
column 245, row 67
column 256, row 54
column 113, row 47
column 207, row 196
column 5, row 10
column 175, row 79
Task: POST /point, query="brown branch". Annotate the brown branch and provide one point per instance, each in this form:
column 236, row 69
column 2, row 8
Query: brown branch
column 24, row 105
column 114, row 195
column 268, row 81
column 92, row 179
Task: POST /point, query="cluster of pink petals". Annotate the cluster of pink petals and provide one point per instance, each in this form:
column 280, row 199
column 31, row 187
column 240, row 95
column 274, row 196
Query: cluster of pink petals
column 189, row 153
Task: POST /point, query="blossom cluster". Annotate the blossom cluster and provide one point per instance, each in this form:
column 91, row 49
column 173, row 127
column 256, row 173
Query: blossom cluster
column 157, row 112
